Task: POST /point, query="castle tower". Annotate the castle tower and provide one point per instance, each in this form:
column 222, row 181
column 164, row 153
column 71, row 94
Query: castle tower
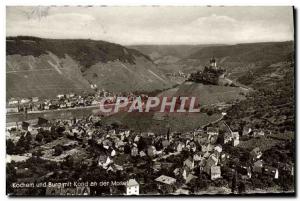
column 213, row 62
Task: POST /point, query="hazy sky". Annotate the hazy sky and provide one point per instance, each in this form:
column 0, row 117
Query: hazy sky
column 154, row 25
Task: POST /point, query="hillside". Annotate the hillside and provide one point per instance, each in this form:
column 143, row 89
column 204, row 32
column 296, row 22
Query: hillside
column 272, row 105
column 263, row 53
column 238, row 59
column 159, row 51
column 46, row 67
column 206, row 94
column 169, row 54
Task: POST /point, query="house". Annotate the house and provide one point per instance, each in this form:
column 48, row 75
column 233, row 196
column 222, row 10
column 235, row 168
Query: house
column 206, row 155
column 246, row 130
column 104, row 161
column 257, row 166
column 134, row 151
column 60, row 96
column 215, row 172
column 218, row 149
column 136, row 138
column 271, row 171
column 258, row 133
column 107, row 143
column 151, row 151
column 132, row 187
column 63, row 105
column 12, row 109
column 182, row 192
column 179, row 146
column 236, row 138
column 201, row 139
column 198, row 132
column 142, row 154
column 256, row 153
column 13, row 101
column 192, row 146
column 212, row 134
column 202, row 164
column 166, row 180
column 177, row 171
column 227, row 137
column 156, row 166
column 224, row 158
column 244, row 171
column 166, row 184
column 189, row 178
column 35, row 99
column 197, row 157
column 25, row 100
column 165, row 143
column 187, row 136
column 212, row 131
column 113, row 153
column 189, row 163
column 71, row 95
column 207, row 147
column 119, row 144
column 210, row 162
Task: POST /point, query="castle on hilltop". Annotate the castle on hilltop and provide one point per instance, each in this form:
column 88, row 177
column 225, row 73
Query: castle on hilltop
column 210, row 75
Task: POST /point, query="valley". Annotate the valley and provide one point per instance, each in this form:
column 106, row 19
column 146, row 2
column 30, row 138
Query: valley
column 54, row 90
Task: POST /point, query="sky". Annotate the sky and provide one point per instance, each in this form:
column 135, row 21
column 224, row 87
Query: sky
column 153, row 24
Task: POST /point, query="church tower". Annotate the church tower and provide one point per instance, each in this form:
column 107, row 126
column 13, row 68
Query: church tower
column 213, row 62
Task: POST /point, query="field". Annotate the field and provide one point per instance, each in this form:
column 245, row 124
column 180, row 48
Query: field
column 181, row 122
column 206, row 94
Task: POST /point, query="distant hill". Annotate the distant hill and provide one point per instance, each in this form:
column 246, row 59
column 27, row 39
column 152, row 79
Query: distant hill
column 168, row 53
column 270, row 52
column 239, row 58
column 46, row 67
column 236, row 59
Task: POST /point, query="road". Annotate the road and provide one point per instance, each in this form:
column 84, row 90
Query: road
column 166, row 156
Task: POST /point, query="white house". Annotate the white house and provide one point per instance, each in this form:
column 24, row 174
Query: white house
column 215, row 172
column 104, row 161
column 132, row 187
column 236, row 138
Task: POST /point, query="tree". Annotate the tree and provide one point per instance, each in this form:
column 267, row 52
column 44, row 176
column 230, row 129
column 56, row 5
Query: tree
column 10, row 147
column 58, row 150
column 39, row 137
column 241, row 188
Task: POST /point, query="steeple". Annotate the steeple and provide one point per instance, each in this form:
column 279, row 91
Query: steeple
column 213, row 62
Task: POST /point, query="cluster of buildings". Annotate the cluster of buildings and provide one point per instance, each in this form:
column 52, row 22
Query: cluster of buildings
column 117, row 145
column 61, row 101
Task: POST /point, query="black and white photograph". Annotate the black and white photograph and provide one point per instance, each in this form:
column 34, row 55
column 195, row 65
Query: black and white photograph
column 150, row 101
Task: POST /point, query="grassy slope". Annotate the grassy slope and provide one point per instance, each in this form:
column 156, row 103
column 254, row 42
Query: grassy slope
column 46, row 67
column 86, row 52
column 183, row 122
column 206, row 94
